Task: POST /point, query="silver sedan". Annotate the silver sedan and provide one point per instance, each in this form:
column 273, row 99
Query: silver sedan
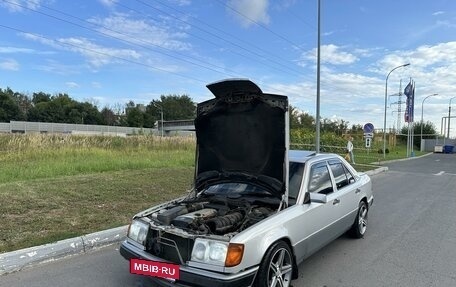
column 256, row 209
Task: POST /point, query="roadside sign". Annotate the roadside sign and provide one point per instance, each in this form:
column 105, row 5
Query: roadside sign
column 368, row 142
column 368, row 128
column 368, row 135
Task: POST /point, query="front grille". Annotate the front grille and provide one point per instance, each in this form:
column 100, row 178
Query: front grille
column 170, row 247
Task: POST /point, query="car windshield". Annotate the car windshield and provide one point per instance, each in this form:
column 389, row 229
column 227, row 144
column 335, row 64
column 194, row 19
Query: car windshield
column 234, row 188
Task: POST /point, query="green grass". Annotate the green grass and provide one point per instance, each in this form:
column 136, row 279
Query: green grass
column 372, row 156
column 56, row 187
column 40, row 211
column 26, row 157
column 30, row 165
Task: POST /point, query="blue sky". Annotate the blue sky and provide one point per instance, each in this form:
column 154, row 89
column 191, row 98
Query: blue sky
column 109, row 52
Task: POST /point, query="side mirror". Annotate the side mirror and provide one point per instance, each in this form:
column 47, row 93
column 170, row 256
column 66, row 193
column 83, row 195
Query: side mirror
column 318, row 197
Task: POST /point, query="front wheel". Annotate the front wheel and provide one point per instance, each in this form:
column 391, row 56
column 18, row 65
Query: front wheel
column 276, row 269
column 360, row 225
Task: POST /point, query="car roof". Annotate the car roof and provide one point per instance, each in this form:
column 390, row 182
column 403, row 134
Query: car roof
column 306, row 155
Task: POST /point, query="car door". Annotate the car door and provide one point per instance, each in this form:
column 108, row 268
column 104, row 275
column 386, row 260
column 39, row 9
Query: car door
column 346, row 195
column 322, row 214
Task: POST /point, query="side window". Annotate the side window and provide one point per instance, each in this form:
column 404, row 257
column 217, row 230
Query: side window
column 295, row 179
column 341, row 174
column 320, row 181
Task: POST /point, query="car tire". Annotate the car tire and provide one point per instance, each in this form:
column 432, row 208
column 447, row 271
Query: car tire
column 359, row 227
column 276, row 268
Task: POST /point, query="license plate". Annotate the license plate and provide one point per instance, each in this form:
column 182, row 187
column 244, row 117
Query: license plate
column 154, row 268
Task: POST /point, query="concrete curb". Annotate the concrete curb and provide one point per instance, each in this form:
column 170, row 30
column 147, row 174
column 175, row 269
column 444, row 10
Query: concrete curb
column 377, row 170
column 20, row 259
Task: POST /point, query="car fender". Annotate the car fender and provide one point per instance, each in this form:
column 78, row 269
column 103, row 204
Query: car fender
column 258, row 240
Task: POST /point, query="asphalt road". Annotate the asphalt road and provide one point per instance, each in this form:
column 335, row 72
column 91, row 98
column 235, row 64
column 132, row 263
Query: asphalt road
column 411, row 241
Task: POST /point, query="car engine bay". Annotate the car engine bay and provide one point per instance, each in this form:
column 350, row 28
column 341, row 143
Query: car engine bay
column 218, row 217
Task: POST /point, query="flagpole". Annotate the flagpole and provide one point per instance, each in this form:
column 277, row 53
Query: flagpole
column 413, row 119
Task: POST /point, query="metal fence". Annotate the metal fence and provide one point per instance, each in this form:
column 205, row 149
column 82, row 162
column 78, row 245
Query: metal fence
column 38, row 127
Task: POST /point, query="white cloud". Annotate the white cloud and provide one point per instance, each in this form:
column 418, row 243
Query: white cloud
column 299, row 93
column 438, row 13
column 9, row 64
column 14, row 50
column 17, row 50
column 96, row 55
column 141, row 32
column 18, row 5
column 108, row 3
column 423, row 57
column 72, row 85
column 249, row 11
column 330, row 54
column 359, row 97
column 180, row 2
column 55, row 67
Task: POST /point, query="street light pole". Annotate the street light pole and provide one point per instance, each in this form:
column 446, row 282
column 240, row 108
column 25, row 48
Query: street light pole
column 317, row 116
column 161, row 112
column 421, row 137
column 384, row 116
column 449, row 116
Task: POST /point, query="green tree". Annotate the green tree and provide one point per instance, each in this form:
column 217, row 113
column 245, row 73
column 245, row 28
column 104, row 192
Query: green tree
column 23, row 101
column 357, row 129
column 300, row 119
column 134, row 115
column 40, row 97
column 174, row 107
column 429, row 132
column 9, row 108
column 335, row 126
column 90, row 113
column 61, row 108
column 108, row 117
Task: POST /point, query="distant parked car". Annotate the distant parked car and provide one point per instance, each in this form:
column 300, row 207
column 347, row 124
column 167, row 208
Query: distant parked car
column 257, row 209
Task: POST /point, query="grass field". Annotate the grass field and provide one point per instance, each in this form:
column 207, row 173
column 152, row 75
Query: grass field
column 55, row 187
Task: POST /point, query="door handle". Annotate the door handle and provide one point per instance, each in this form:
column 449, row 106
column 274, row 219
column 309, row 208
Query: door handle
column 358, row 190
column 336, row 201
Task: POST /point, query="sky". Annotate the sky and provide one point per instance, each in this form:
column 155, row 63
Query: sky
column 109, row 52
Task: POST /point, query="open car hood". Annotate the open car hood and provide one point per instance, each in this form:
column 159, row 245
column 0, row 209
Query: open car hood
column 242, row 136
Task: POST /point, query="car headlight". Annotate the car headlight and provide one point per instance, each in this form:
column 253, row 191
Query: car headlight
column 217, row 252
column 138, row 231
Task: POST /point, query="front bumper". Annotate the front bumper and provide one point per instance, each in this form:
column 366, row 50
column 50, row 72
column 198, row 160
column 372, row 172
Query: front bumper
column 190, row 276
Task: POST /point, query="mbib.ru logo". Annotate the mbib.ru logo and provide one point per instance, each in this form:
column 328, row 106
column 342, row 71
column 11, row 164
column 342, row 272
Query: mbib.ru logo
column 153, row 268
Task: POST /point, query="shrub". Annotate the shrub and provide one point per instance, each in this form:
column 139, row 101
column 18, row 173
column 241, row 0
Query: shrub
column 380, row 151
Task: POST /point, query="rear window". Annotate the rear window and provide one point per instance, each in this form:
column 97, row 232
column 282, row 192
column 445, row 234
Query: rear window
column 341, row 174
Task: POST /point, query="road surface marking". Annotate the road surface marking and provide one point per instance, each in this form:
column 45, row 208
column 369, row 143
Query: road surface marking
column 440, row 173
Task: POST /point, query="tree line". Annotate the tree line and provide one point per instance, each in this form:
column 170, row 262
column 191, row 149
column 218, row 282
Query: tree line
column 61, row 108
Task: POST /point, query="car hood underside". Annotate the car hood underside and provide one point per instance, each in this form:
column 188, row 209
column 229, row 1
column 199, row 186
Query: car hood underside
column 241, row 134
